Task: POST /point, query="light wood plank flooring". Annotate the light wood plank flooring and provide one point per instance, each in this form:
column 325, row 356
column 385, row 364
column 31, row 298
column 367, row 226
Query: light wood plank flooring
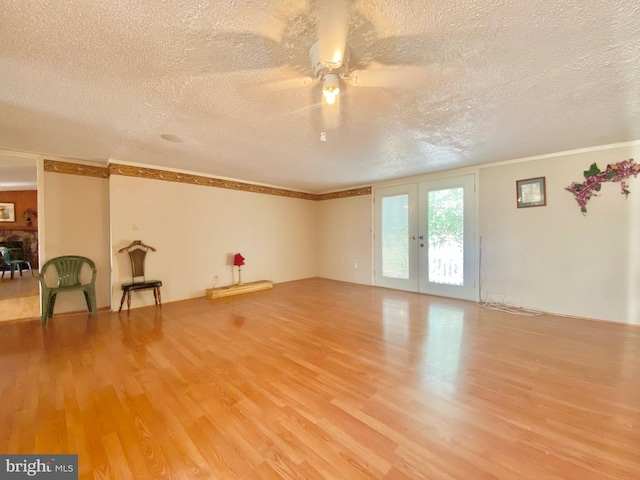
column 19, row 296
column 318, row 379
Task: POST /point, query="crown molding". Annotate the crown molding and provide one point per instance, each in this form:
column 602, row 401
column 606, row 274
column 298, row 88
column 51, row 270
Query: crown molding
column 169, row 176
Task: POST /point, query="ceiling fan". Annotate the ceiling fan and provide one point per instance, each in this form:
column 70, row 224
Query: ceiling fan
column 330, row 64
column 329, row 58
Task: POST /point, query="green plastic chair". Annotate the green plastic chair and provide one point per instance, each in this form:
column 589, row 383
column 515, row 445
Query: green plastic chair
column 6, row 264
column 68, row 270
column 11, row 264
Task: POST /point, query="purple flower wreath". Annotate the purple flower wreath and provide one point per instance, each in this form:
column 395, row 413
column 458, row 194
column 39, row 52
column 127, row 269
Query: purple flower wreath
column 615, row 172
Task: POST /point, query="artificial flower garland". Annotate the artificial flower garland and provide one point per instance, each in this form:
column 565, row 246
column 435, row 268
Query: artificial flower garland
column 594, row 178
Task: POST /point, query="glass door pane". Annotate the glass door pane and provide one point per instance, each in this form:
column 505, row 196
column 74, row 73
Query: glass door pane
column 445, row 240
column 395, row 237
column 447, row 237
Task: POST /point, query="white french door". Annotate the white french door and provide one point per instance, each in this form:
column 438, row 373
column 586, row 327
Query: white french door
column 425, row 237
column 447, row 251
column 395, row 237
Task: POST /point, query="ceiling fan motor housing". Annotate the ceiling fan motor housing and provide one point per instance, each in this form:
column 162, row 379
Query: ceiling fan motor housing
column 321, row 67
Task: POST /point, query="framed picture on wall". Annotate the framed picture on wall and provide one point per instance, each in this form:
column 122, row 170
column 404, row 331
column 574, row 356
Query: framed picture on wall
column 7, row 212
column 531, row 192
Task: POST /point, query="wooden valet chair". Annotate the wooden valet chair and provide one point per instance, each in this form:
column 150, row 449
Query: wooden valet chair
column 137, row 252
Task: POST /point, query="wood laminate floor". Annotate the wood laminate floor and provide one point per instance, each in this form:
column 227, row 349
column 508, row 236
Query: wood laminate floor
column 318, row 379
column 19, row 296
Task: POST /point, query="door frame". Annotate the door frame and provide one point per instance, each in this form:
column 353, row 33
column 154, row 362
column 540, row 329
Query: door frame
column 467, row 291
column 475, row 257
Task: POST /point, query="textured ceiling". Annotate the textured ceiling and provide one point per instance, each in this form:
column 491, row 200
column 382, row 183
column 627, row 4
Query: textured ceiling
column 17, row 173
column 181, row 84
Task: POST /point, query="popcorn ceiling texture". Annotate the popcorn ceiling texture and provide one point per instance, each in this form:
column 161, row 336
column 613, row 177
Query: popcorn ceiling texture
column 485, row 81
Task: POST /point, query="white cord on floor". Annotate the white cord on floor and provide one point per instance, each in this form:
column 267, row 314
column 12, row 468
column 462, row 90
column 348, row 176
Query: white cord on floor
column 509, row 309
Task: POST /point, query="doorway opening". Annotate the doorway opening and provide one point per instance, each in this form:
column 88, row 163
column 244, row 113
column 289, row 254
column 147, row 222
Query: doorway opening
column 19, row 290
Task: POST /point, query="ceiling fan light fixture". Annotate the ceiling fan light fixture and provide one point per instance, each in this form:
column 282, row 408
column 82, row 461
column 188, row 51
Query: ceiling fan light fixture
column 330, row 88
column 330, row 98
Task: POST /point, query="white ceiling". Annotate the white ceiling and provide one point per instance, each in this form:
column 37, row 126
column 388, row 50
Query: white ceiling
column 17, row 173
column 486, row 81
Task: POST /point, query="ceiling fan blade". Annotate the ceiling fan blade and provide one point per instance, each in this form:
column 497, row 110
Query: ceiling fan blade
column 220, row 52
column 410, row 50
column 333, row 25
column 284, row 84
column 331, row 117
column 400, row 78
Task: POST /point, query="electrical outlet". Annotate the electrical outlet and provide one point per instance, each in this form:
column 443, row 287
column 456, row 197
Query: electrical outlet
column 355, row 266
column 215, row 280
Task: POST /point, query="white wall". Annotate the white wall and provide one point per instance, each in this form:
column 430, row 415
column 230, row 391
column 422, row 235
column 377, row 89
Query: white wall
column 344, row 230
column 76, row 222
column 553, row 258
column 195, row 229
column 549, row 258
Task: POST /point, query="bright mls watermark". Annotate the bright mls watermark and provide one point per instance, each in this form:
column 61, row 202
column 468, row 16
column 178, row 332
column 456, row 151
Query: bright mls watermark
column 50, row 467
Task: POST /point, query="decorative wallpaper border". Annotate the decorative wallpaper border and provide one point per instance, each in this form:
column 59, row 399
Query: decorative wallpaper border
column 356, row 192
column 69, row 168
column 152, row 173
column 155, row 174
column 168, row 176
